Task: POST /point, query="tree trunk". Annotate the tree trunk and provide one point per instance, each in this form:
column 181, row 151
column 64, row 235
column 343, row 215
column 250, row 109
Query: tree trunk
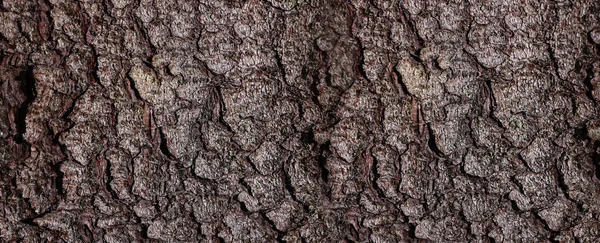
column 299, row 121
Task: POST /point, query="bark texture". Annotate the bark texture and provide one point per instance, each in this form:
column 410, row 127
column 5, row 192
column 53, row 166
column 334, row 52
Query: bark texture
column 299, row 121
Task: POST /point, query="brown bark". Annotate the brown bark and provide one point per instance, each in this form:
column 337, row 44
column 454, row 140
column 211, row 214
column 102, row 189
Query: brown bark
column 299, row 121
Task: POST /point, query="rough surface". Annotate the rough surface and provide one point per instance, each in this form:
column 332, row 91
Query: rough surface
column 299, row 121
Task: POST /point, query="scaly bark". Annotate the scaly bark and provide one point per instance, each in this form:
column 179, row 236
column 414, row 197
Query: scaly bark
column 299, row 121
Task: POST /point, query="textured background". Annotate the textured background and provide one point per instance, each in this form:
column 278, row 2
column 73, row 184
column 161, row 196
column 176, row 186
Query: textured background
column 299, row 121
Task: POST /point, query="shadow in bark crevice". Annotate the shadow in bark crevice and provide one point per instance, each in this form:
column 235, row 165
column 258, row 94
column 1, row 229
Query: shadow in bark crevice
column 27, row 86
column 596, row 158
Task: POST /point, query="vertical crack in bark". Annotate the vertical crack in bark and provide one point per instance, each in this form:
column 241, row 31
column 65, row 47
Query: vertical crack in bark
column 406, row 19
column 222, row 109
column 360, row 58
column 398, row 78
column 553, row 233
column 27, row 86
column 134, row 90
column 58, row 181
column 431, row 142
column 596, row 158
column 287, row 180
column 315, row 90
column 109, row 176
column 375, row 177
column 553, row 60
column 587, row 81
column 322, row 162
column 271, row 224
column 164, row 146
column 493, row 103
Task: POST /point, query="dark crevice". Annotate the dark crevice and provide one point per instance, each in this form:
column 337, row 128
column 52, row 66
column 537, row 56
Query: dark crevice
column 58, row 181
column 473, row 137
column 493, row 104
column 417, row 57
column 412, row 228
column 587, row 81
column 144, row 232
column 328, row 75
column 144, row 32
column 315, row 90
column 596, row 158
column 47, row 8
column 245, row 185
column 376, row 175
column 360, row 58
column 27, row 86
column 280, row 234
column 581, row 133
column 94, row 67
column 513, row 205
column 29, row 221
column 514, row 180
column 109, row 177
column 431, row 142
column 222, row 109
column 243, row 205
column 354, row 234
column 400, row 81
column 489, row 239
column 323, row 153
column 280, row 66
column 287, row 183
column 562, row 185
column 301, row 111
column 413, row 29
column 67, row 113
column 252, row 165
column 552, row 57
column 288, row 186
column 63, row 148
column 537, row 216
column 163, row 145
column 322, row 161
column 308, row 137
column 136, row 92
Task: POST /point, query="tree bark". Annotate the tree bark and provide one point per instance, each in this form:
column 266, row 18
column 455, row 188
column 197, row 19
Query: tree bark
column 299, row 121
